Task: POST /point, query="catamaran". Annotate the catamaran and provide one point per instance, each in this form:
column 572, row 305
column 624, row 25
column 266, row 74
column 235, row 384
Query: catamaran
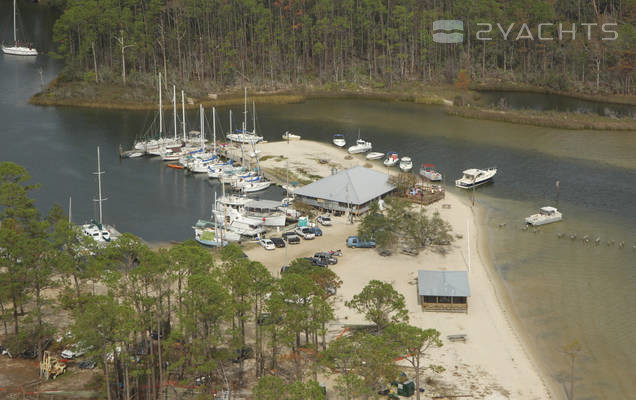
column 94, row 229
column 429, row 173
column 475, row 177
column 18, row 48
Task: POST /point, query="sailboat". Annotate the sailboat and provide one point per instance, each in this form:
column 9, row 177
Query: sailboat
column 96, row 230
column 243, row 135
column 18, row 48
column 159, row 146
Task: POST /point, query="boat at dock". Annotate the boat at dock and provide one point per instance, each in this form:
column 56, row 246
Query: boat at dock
column 374, row 155
column 391, row 159
column 290, row 136
column 474, row 177
column 429, row 173
column 339, row 140
column 406, row 164
column 266, row 210
column 18, row 48
column 361, row 146
column 234, row 221
column 546, row 215
column 206, row 233
column 244, row 136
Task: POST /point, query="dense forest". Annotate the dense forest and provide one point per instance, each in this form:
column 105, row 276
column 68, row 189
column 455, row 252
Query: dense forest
column 347, row 43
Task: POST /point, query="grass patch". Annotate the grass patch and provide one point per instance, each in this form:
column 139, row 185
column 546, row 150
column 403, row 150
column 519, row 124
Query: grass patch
column 550, row 119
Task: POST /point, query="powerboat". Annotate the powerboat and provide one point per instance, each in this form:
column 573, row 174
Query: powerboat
column 339, row 140
column 290, row 136
column 391, row 159
column 406, row 164
column 546, row 215
column 234, row 221
column 475, row 177
column 374, row 155
column 266, row 211
column 361, row 146
column 429, row 173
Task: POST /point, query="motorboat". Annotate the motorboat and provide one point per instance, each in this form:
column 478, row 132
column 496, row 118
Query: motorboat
column 339, row 140
column 265, row 210
column 234, row 221
column 546, row 215
column 361, row 146
column 18, row 48
column 290, row 136
column 205, row 232
column 475, row 177
column 406, row 164
column 374, row 155
column 234, row 200
column 429, row 173
column 391, row 159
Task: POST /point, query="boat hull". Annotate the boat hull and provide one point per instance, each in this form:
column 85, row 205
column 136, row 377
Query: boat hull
column 431, row 175
column 19, row 51
column 464, row 185
column 538, row 219
column 375, row 156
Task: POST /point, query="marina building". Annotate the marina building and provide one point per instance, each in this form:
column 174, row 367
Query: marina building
column 353, row 190
column 443, row 290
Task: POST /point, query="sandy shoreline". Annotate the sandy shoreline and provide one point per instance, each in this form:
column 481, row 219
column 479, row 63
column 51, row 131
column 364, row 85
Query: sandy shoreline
column 496, row 361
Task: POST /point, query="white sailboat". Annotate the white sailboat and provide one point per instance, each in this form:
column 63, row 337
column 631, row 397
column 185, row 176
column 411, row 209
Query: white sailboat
column 159, row 145
column 94, row 229
column 18, row 48
column 243, row 135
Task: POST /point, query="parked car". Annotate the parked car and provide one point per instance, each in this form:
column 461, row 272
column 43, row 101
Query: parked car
column 317, row 231
column 291, row 238
column 324, row 220
column 267, row 244
column 317, row 261
column 326, row 257
column 278, row 242
column 76, row 350
column 355, row 241
column 305, row 233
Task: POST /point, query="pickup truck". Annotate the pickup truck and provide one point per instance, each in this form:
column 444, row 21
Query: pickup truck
column 355, row 241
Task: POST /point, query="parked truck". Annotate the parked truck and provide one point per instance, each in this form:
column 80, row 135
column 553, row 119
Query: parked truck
column 355, row 241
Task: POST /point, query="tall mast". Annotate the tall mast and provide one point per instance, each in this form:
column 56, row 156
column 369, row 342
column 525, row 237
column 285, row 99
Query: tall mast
column 15, row 38
column 174, row 110
column 202, row 133
column 214, row 128
column 70, row 209
column 99, row 173
column 253, row 117
column 230, row 121
column 160, row 109
column 245, row 113
column 183, row 116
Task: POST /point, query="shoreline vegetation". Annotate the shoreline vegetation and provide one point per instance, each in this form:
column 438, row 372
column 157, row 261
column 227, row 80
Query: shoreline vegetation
column 137, row 97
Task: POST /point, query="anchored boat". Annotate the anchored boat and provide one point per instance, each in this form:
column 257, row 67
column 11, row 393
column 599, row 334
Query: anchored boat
column 475, row 177
column 339, row 140
column 546, row 215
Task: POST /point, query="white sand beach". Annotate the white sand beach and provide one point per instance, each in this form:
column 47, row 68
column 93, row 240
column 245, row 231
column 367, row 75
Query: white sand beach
column 494, row 362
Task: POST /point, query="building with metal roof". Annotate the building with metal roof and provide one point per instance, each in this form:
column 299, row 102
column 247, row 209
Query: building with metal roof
column 352, row 189
column 443, row 290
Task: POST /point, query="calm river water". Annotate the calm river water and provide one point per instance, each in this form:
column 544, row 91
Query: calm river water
column 560, row 289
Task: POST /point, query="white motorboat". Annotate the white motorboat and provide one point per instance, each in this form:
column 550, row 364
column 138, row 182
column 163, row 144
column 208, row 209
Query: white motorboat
column 406, row 164
column 546, row 215
column 361, row 146
column 391, row 159
column 429, row 173
column 18, row 48
column 374, row 155
column 290, row 136
column 234, row 221
column 339, row 140
column 475, row 177
column 266, row 211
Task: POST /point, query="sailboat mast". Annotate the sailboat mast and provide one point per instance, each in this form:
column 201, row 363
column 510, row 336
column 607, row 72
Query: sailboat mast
column 15, row 37
column 245, row 112
column 214, row 128
column 160, row 109
column 253, row 117
column 202, row 133
column 174, row 110
column 230, row 121
column 99, row 185
column 70, row 209
column 183, row 116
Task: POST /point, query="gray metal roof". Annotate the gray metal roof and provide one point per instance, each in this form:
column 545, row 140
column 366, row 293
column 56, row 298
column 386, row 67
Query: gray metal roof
column 356, row 185
column 443, row 283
